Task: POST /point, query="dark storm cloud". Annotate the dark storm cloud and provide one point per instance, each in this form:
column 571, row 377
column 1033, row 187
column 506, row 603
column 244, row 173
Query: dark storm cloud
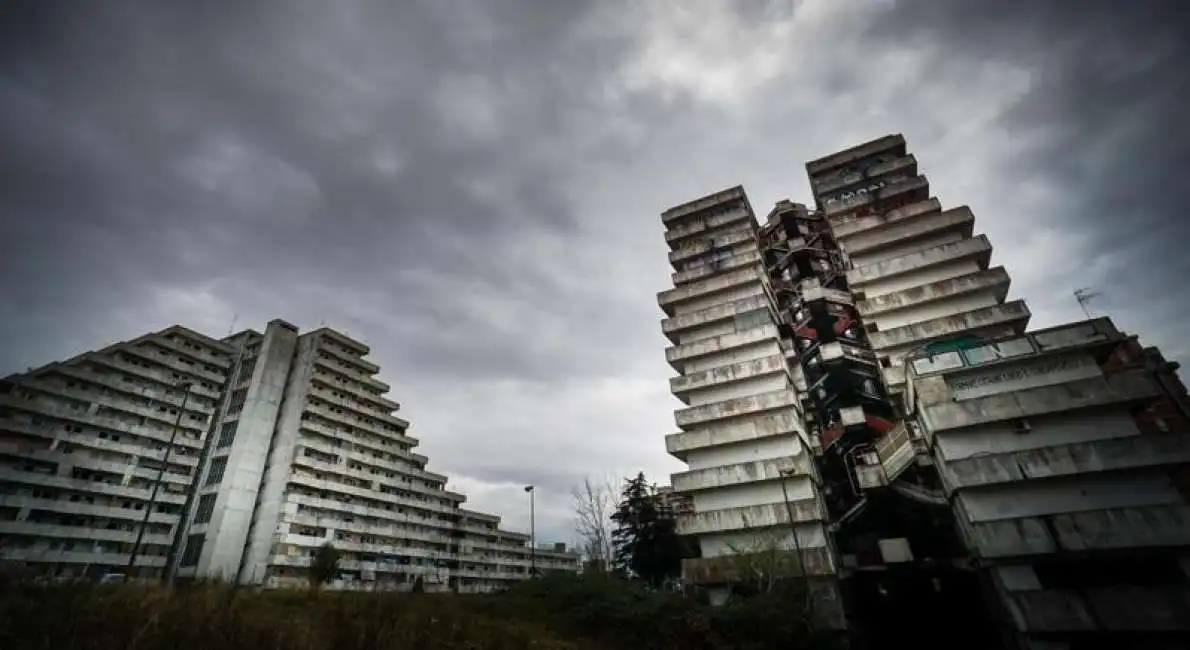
column 1104, row 121
column 473, row 187
column 294, row 145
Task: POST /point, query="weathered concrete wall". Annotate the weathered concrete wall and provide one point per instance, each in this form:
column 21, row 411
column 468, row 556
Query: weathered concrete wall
column 706, row 521
column 883, row 276
column 784, row 422
column 1010, row 312
column 1047, row 430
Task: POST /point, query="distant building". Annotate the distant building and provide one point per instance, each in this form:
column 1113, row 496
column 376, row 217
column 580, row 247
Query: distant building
column 285, row 441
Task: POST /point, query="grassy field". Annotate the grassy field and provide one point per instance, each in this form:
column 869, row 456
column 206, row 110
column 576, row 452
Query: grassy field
column 553, row 613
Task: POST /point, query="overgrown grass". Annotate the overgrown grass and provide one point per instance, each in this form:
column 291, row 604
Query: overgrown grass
column 552, row 613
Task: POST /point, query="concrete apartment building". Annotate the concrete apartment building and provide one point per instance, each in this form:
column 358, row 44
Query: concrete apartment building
column 1030, row 488
column 287, row 441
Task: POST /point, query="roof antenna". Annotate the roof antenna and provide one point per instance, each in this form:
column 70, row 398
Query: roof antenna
column 1084, row 296
column 234, row 319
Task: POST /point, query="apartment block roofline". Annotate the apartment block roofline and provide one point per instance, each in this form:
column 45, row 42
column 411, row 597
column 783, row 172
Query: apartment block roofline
column 714, row 198
column 339, row 337
column 839, row 158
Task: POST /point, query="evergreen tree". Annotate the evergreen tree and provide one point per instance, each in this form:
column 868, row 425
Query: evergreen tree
column 645, row 539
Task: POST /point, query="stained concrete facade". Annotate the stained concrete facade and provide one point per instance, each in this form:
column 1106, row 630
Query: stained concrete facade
column 82, row 442
column 1059, row 486
column 1056, row 459
column 288, row 441
column 740, row 432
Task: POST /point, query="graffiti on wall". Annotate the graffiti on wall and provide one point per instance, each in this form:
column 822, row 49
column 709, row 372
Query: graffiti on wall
column 1024, row 376
column 866, row 189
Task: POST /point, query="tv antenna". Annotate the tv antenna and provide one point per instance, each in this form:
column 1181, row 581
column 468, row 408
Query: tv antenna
column 1084, row 296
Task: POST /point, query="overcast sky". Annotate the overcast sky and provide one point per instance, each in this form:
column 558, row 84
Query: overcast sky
column 473, row 187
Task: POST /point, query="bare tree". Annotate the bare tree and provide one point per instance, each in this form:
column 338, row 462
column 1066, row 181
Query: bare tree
column 594, row 503
column 762, row 562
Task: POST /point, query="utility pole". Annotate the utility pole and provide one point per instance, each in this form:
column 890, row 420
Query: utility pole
column 1084, row 296
column 173, row 434
column 532, row 535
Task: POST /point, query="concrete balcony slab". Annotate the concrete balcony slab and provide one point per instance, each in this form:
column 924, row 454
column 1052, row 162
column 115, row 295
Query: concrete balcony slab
column 734, row 408
column 671, row 327
column 830, row 184
column 771, row 365
column 708, row 269
column 1064, row 460
column 734, row 569
column 978, row 248
column 696, row 226
column 696, row 247
column 994, row 279
column 893, row 143
column 850, row 225
column 917, row 187
column 668, row 300
column 739, row 473
column 767, row 515
column 780, row 423
column 724, row 197
column 910, row 228
column 678, row 354
column 1121, row 388
column 1013, row 313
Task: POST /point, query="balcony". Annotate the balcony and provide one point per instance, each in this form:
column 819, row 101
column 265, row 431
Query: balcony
column 1125, row 608
column 669, row 299
column 737, row 216
column 726, row 311
column 770, row 365
column 1114, row 454
column 708, row 244
column 740, row 473
column 977, row 248
column 734, row 569
column 734, row 408
column 729, row 195
column 86, row 533
column 825, row 185
column 894, row 143
column 916, row 188
column 994, row 279
column 909, row 229
column 782, row 423
column 767, row 515
column 941, row 415
column 679, row 353
column 849, row 225
column 1012, row 314
column 729, row 263
column 1156, row 526
column 361, row 364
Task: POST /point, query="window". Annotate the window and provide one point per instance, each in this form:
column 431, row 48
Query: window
column 206, row 507
column 193, row 550
column 227, row 435
column 215, row 472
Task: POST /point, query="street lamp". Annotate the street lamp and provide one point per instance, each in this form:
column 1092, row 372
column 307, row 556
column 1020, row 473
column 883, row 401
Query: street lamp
column 532, row 535
column 173, row 434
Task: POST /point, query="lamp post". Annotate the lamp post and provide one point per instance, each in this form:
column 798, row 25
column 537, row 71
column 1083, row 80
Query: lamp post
column 532, row 535
column 173, row 434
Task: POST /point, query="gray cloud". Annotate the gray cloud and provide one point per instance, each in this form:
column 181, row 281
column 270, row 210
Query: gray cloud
column 473, row 187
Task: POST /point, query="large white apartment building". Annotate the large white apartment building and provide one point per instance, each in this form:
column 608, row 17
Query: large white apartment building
column 1031, row 489
column 741, row 432
column 286, row 441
